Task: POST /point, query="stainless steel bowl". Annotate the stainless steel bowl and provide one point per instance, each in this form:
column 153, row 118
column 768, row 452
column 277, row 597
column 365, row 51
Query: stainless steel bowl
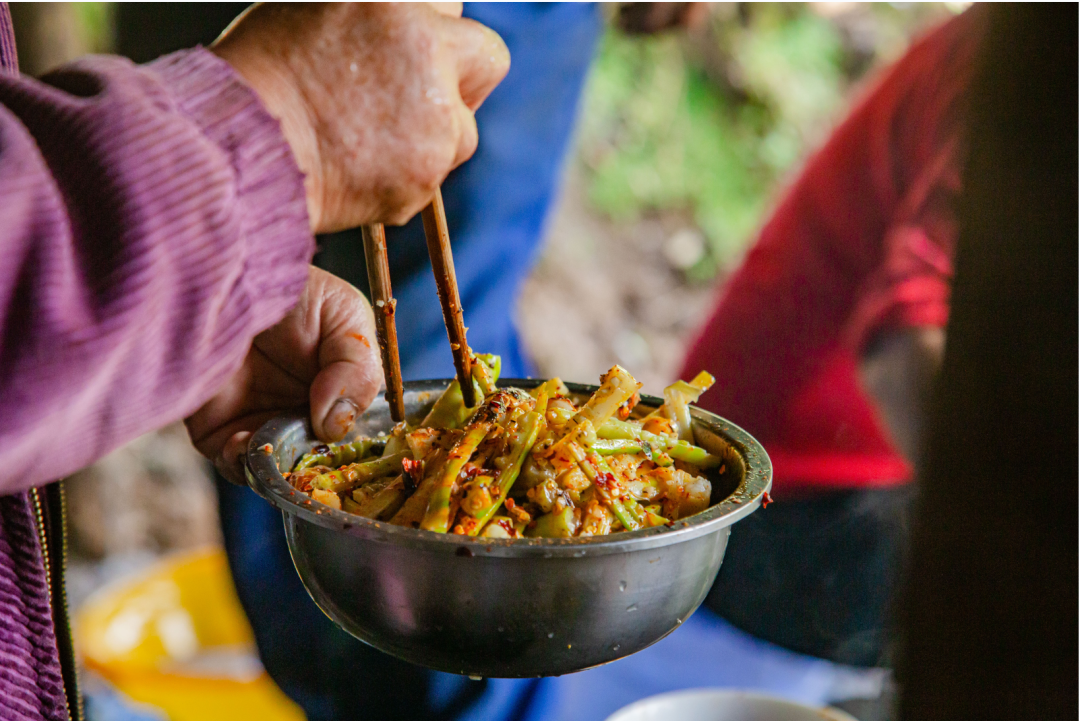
column 498, row 607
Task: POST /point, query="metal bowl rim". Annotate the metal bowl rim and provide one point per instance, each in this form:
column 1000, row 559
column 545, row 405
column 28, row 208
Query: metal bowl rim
column 265, row 478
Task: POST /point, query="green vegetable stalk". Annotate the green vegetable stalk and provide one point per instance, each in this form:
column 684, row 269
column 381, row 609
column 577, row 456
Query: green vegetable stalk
column 650, row 443
column 616, row 387
column 357, row 474
column 482, row 376
column 521, row 444
column 557, row 524
column 412, row 511
column 677, row 399
column 599, row 472
column 449, row 410
column 380, row 503
column 437, row 516
column 335, row 455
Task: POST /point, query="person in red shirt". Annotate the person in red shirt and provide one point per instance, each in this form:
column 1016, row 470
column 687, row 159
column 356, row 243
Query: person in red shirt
column 824, row 345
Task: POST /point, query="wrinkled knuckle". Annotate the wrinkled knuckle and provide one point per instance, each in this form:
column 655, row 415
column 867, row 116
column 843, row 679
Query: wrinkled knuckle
column 433, row 168
column 470, row 140
column 401, row 216
column 498, row 54
column 442, row 114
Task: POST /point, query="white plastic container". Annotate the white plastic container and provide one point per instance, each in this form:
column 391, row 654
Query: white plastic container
column 723, row 705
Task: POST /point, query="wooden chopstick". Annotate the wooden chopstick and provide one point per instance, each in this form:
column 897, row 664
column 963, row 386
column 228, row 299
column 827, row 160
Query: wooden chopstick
column 384, row 305
column 442, row 264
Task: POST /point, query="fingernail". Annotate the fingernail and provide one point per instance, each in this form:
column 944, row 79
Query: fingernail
column 340, row 419
column 231, row 463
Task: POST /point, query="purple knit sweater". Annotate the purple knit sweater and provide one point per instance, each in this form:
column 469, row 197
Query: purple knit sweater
column 152, row 221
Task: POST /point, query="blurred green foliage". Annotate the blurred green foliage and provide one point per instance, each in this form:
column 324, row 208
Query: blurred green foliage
column 705, row 125
column 96, row 22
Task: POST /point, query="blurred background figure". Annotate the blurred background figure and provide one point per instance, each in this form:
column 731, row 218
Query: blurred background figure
column 989, row 615
column 683, row 142
column 827, row 341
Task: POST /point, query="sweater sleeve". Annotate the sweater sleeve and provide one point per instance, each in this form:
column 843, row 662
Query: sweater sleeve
column 152, row 222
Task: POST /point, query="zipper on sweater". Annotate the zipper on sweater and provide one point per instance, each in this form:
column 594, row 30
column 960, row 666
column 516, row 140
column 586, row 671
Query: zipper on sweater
column 50, row 514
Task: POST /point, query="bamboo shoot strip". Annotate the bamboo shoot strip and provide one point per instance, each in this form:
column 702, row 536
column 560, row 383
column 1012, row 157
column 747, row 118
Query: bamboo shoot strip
column 442, row 265
column 378, row 269
column 437, row 517
column 493, row 363
column 336, row 454
column 677, row 399
column 679, row 450
column 482, row 376
column 412, row 511
column 621, row 437
column 616, row 387
column 557, row 524
column 530, row 428
column 384, row 502
column 597, row 470
column 357, row 474
column 449, row 410
column 678, row 412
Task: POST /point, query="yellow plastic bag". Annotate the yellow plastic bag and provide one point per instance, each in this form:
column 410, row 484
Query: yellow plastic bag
column 177, row 639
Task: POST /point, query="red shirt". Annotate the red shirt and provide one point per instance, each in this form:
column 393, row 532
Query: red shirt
column 863, row 242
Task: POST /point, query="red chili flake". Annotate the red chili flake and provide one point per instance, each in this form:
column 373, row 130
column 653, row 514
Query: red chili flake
column 470, row 472
column 414, row 473
column 267, row 449
column 766, row 499
column 510, row 504
column 361, row 338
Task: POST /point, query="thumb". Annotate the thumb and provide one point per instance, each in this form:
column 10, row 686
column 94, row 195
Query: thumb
column 450, row 10
column 483, row 60
column 350, row 372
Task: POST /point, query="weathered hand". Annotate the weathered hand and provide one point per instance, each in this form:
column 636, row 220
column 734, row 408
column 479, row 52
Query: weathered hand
column 376, row 100
column 322, row 355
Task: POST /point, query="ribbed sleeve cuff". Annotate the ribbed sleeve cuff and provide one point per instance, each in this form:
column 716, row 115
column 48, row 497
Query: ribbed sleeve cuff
column 270, row 187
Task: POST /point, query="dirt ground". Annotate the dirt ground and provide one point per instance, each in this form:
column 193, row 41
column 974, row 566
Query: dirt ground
column 604, row 293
